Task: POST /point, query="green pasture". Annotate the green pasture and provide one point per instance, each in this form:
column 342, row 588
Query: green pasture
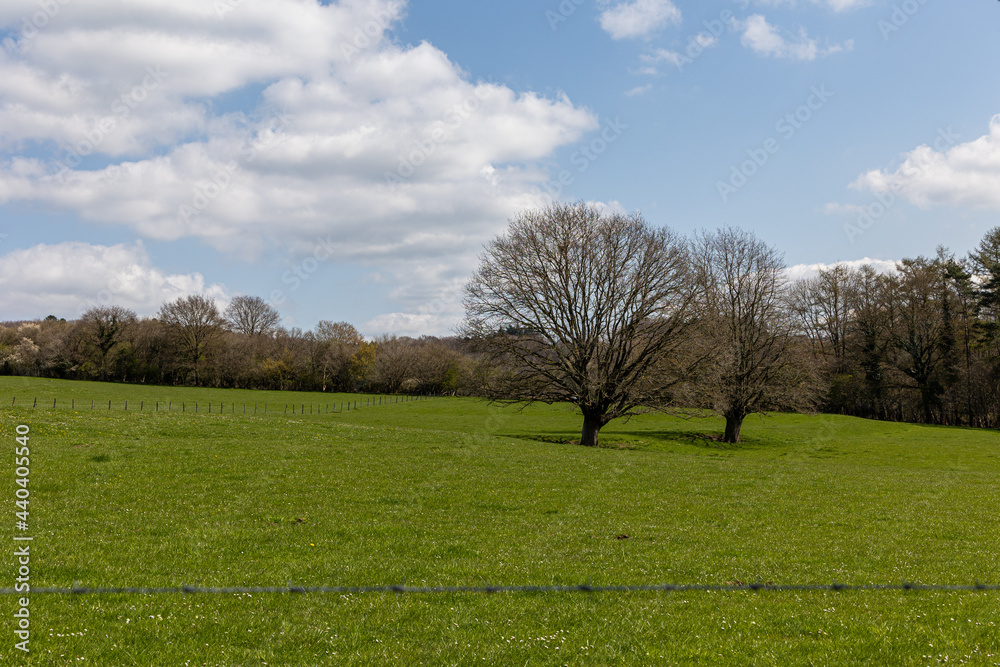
column 451, row 491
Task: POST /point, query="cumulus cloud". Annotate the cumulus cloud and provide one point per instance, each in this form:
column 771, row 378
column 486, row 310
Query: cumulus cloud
column 765, row 39
column 946, row 173
column 267, row 125
column 638, row 18
column 761, row 37
column 68, row 278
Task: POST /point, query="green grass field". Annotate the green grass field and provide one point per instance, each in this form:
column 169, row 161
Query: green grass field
column 458, row 492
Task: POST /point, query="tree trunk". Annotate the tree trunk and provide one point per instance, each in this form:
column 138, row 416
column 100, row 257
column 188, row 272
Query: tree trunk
column 733, row 425
column 591, row 429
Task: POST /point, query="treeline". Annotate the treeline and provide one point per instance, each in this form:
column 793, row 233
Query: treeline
column 921, row 344
column 190, row 342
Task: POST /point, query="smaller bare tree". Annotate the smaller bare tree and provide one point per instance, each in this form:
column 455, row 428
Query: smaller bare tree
column 746, row 322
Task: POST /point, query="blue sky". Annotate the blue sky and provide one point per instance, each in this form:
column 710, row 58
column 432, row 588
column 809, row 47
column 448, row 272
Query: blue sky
column 348, row 160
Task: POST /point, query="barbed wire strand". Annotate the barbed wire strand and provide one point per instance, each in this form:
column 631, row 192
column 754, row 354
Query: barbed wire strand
column 577, row 588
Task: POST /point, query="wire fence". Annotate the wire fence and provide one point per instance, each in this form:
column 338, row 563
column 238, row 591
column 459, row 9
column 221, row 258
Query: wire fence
column 578, row 588
column 222, row 407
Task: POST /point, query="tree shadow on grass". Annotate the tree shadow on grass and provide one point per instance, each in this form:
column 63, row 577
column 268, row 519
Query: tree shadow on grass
column 605, row 442
column 650, row 441
column 704, row 440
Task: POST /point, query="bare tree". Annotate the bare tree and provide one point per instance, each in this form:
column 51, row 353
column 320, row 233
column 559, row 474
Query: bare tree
column 985, row 260
column 746, row 320
column 251, row 315
column 824, row 312
column 577, row 305
column 868, row 330
column 104, row 329
column 921, row 330
column 195, row 322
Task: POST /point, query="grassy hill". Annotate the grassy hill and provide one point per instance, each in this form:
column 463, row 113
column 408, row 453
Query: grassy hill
column 458, row 492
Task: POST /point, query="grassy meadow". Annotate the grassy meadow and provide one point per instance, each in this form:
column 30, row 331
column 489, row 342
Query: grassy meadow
column 453, row 491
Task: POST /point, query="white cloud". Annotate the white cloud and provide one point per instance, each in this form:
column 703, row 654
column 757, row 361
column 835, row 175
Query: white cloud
column 657, row 56
column 762, row 38
column 697, row 45
column 67, row 278
column 61, row 81
column 390, row 150
column 946, row 174
column 357, row 114
column 800, row 271
column 638, row 18
column 639, row 90
column 765, row 39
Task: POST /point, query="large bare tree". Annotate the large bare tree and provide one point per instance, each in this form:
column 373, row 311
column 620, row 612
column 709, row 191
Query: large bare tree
column 578, row 305
column 746, row 322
